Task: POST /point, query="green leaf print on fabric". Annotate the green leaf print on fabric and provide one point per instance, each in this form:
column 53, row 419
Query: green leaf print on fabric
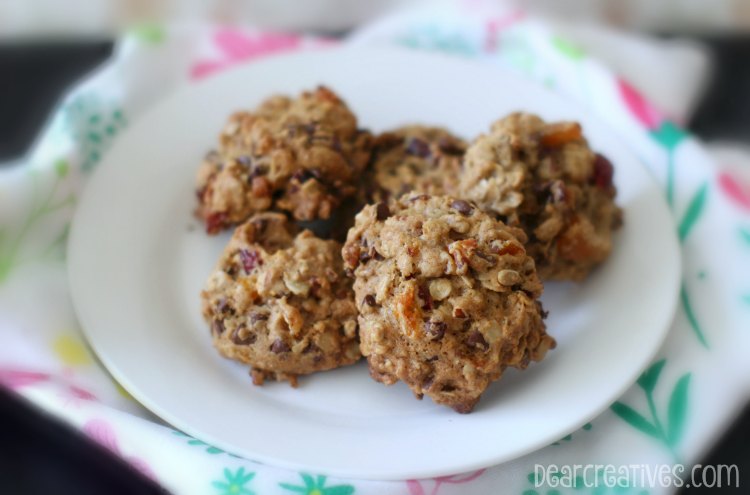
column 745, row 235
column 568, row 438
column 694, row 211
column 42, row 206
column 210, row 449
column 234, row 483
column 433, row 37
column 669, row 136
column 93, row 126
column 149, row 33
column 568, row 49
column 316, row 486
column 651, row 424
column 690, row 314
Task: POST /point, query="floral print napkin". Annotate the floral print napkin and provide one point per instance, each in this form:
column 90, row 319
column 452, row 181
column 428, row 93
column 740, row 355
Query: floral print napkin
column 676, row 410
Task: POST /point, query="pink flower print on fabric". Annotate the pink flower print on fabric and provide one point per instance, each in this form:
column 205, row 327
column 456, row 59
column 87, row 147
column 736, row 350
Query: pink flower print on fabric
column 104, row 434
column 15, row 379
column 236, row 46
column 734, row 190
column 639, row 107
column 418, row 487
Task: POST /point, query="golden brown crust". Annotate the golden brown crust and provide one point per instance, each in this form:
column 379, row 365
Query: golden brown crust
column 300, row 155
column 279, row 301
column 545, row 179
column 412, row 158
column 447, row 297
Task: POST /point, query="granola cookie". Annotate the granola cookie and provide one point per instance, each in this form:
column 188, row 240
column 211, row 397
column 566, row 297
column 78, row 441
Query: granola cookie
column 300, row 155
column 544, row 178
column 413, row 158
column 447, row 297
column 279, row 301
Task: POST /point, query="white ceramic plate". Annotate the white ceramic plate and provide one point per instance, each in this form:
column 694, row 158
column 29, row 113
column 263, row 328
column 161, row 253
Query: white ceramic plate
column 138, row 262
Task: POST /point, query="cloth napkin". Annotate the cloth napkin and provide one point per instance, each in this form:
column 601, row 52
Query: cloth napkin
column 677, row 409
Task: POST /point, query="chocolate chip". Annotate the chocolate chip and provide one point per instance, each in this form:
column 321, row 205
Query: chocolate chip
column 310, row 347
column 476, row 338
column 245, row 160
column 222, row 305
column 260, row 225
column 256, row 317
column 424, row 295
column 217, row 327
column 250, row 259
column 463, row 207
column 248, row 339
column 382, row 211
column 256, row 171
column 447, row 387
column 435, row 329
column 279, row 346
column 310, row 128
column 370, row 300
column 303, row 175
column 336, row 143
column 418, row 147
column 603, row 172
column 449, row 146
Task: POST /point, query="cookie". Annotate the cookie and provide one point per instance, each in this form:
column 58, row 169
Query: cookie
column 302, row 155
column 413, row 158
column 544, row 178
column 279, row 301
column 447, row 297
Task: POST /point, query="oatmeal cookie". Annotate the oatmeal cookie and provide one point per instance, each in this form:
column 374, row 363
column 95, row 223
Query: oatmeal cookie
column 412, row 158
column 544, row 178
column 447, row 297
column 279, row 301
column 300, row 155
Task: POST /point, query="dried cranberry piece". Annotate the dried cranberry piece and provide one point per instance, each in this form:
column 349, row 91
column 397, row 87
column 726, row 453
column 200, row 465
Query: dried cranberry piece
column 250, row 259
column 603, row 172
column 424, row 295
column 418, row 147
column 215, row 222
